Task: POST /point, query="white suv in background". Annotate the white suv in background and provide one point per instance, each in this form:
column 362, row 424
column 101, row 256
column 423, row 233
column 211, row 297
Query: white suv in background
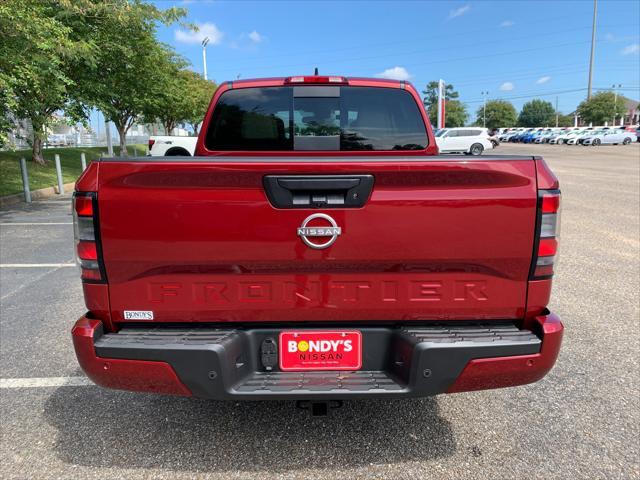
column 467, row 140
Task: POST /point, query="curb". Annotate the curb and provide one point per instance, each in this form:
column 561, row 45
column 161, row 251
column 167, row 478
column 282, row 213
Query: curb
column 41, row 193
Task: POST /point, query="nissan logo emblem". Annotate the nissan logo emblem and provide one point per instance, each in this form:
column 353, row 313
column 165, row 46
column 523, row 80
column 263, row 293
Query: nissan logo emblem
column 332, row 230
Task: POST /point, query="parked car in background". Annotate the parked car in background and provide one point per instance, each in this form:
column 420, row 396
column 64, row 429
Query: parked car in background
column 467, row 140
column 558, row 137
column 172, row 146
column 608, row 137
column 574, row 139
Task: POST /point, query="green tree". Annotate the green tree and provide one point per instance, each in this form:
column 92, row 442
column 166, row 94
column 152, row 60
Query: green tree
column 168, row 105
column 601, row 108
column 498, row 113
column 38, row 53
column 198, row 95
column 455, row 114
column 565, row 120
column 430, row 99
column 184, row 98
column 537, row 113
column 131, row 67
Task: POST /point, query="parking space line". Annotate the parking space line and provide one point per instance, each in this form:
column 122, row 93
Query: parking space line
column 45, row 382
column 23, row 224
column 36, row 265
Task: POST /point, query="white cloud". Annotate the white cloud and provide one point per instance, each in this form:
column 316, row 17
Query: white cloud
column 459, row 11
column 631, row 49
column 255, row 37
column 507, row 86
column 544, row 79
column 204, row 30
column 395, row 73
column 507, row 23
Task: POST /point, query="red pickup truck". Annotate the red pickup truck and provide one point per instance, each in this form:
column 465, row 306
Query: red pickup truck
column 316, row 248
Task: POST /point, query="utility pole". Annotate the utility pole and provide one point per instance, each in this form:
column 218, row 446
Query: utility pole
column 441, row 103
column 556, row 112
column 593, row 46
column 205, row 41
column 615, row 103
column 484, row 108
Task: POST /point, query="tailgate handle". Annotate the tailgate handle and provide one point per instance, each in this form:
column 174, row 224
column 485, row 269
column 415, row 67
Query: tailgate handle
column 319, row 191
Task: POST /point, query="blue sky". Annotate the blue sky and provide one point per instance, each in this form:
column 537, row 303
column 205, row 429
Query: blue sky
column 513, row 50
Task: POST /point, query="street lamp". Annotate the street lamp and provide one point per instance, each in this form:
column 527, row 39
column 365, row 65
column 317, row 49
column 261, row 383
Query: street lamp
column 205, row 41
column 615, row 102
column 484, row 108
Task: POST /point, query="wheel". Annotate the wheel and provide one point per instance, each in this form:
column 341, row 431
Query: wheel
column 476, row 149
column 596, row 142
column 177, row 152
column 626, row 141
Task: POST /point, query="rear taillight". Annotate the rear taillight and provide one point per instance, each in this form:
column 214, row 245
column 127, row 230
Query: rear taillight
column 87, row 238
column 547, row 234
column 151, row 142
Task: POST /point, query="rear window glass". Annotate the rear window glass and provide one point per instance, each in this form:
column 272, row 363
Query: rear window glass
column 316, row 118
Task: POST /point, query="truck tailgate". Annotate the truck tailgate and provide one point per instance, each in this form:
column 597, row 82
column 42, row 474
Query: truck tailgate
column 197, row 240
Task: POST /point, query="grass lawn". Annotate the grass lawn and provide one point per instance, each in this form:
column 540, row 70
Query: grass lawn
column 45, row 176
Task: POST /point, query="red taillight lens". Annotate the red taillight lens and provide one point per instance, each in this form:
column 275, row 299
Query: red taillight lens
column 83, row 206
column 547, row 235
column 88, row 252
column 151, row 142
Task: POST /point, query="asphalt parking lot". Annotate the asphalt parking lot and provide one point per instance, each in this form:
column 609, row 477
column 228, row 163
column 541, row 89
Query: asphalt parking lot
column 581, row 421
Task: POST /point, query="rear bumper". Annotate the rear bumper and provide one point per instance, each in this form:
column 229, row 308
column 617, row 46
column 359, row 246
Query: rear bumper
column 407, row 361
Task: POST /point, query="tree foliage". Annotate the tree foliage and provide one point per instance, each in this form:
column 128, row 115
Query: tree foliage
column 197, row 98
column 39, row 51
column 455, row 114
column 430, row 101
column 537, row 113
column 498, row 114
column 565, row 120
column 132, row 69
column 74, row 54
column 601, row 108
column 184, row 98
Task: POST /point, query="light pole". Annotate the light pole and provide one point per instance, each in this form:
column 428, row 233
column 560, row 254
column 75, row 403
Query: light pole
column 593, row 46
column 615, row 102
column 205, row 41
column 484, row 108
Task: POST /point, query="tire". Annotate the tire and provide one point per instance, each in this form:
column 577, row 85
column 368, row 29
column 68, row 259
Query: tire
column 626, row 141
column 177, row 152
column 596, row 142
column 476, row 149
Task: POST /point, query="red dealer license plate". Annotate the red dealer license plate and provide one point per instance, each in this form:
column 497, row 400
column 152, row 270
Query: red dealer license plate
column 320, row 350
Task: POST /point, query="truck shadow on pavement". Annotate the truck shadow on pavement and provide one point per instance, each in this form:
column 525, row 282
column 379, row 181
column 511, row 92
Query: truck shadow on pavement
column 104, row 428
